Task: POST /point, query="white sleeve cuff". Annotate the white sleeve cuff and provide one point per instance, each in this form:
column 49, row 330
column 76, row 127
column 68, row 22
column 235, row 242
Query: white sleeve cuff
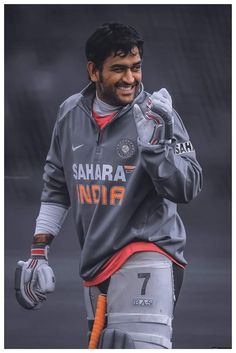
column 50, row 219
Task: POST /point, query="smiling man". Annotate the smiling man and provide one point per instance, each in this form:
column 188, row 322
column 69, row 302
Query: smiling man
column 119, row 80
column 116, row 159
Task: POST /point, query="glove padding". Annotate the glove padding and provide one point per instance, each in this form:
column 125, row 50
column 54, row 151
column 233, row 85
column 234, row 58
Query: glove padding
column 33, row 280
column 156, row 126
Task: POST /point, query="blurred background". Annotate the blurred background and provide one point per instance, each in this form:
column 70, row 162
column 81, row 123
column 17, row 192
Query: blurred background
column 188, row 51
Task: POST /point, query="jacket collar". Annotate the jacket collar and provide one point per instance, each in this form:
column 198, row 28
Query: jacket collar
column 89, row 92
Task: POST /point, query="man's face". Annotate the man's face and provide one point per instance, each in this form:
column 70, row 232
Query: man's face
column 118, row 81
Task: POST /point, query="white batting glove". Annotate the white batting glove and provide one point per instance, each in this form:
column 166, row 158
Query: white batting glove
column 156, row 126
column 34, row 278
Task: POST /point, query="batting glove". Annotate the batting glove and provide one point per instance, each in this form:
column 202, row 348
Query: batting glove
column 156, row 126
column 34, row 278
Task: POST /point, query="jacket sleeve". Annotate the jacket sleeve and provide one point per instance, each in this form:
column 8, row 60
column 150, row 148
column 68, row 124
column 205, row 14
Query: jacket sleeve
column 55, row 189
column 173, row 168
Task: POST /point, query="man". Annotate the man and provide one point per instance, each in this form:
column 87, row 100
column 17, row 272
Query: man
column 121, row 159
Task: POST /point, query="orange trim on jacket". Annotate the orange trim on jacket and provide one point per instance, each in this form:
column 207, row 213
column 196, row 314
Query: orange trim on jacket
column 121, row 256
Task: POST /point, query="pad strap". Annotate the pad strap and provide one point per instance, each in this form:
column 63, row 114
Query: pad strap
column 115, row 318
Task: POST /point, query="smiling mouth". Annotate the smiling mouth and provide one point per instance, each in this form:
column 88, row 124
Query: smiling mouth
column 127, row 89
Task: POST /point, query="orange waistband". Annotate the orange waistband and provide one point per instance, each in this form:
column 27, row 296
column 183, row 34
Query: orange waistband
column 121, row 256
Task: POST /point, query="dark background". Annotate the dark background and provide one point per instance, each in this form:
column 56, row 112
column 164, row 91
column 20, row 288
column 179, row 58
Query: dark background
column 188, row 51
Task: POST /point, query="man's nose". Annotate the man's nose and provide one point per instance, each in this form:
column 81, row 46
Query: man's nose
column 128, row 76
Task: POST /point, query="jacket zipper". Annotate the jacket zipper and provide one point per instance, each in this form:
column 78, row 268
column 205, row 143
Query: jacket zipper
column 98, row 136
column 99, row 132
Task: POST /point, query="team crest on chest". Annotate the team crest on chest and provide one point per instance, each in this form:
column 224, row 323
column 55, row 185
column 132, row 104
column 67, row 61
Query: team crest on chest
column 125, row 148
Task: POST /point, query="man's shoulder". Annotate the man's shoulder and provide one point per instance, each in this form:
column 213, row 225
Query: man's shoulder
column 69, row 104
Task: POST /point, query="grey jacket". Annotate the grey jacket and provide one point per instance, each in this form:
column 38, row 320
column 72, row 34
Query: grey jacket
column 119, row 190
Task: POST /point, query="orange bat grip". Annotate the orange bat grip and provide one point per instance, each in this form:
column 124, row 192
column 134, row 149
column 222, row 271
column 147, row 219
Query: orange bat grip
column 99, row 321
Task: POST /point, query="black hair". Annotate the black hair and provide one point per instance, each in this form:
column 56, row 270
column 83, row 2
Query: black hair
column 115, row 38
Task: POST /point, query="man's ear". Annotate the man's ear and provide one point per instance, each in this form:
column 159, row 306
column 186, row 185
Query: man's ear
column 92, row 71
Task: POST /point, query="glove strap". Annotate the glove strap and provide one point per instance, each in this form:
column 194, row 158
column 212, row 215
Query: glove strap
column 39, row 251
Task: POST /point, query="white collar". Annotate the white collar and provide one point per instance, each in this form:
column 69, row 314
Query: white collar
column 102, row 108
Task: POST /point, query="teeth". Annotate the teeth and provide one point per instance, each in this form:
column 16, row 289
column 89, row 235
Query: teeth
column 126, row 88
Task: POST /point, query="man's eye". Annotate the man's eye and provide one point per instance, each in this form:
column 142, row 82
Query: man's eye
column 120, row 69
column 136, row 68
column 117, row 69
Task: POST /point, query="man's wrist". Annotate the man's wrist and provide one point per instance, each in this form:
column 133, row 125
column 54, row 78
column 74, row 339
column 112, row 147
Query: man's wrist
column 43, row 239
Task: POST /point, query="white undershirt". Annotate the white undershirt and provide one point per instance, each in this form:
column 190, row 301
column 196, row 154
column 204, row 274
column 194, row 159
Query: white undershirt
column 102, row 108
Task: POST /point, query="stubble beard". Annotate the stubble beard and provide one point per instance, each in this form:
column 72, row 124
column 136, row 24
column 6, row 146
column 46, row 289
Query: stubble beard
column 107, row 94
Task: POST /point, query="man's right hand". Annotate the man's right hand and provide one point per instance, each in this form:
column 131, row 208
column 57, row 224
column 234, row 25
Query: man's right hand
column 33, row 280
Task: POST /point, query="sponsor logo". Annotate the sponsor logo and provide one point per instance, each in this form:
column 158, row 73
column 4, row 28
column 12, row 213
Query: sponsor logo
column 101, row 172
column 143, row 302
column 125, row 149
column 92, row 193
column 76, row 147
column 183, row 147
